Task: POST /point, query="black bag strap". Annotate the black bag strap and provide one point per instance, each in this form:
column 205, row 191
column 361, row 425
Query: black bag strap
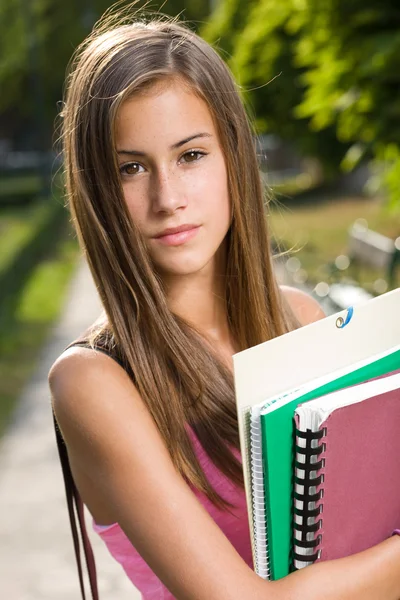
column 74, row 501
column 76, row 513
column 75, row 509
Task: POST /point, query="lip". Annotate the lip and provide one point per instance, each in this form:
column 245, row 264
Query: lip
column 175, row 236
column 172, row 230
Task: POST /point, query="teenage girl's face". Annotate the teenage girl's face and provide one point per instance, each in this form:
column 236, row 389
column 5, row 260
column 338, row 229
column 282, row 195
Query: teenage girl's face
column 174, row 177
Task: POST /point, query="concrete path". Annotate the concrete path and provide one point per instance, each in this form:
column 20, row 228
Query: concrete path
column 36, row 552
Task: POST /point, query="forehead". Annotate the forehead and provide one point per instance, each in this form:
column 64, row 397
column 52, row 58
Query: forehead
column 165, row 112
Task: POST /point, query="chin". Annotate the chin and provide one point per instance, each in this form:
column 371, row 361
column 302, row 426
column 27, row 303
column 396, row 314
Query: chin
column 181, row 267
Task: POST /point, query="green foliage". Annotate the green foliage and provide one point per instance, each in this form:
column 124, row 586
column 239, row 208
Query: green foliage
column 13, row 52
column 351, row 53
column 388, row 163
column 37, row 307
column 18, row 228
column 37, row 39
column 323, row 74
column 226, row 23
column 262, row 43
column 34, row 239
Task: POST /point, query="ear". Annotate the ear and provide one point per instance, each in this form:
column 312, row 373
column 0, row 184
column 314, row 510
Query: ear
column 306, row 308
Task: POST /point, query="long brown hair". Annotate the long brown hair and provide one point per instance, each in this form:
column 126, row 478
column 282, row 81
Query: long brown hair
column 180, row 378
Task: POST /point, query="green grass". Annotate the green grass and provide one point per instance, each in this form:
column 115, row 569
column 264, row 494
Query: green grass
column 22, row 184
column 318, row 233
column 16, row 226
column 38, row 307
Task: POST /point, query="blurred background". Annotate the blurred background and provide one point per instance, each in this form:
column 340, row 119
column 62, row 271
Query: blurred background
column 320, row 79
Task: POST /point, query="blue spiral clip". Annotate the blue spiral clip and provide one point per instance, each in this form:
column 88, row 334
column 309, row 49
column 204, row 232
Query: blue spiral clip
column 340, row 322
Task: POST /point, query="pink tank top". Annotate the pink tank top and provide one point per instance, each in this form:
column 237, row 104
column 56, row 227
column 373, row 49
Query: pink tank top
column 233, row 523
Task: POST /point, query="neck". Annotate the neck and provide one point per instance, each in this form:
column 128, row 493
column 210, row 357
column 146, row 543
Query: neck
column 200, row 299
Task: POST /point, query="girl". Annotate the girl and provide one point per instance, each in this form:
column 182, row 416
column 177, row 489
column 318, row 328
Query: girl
column 165, row 194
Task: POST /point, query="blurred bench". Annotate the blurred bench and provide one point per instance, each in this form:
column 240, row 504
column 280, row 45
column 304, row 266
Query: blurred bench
column 367, row 247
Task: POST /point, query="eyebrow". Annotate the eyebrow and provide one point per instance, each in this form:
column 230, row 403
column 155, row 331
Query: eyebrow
column 173, row 147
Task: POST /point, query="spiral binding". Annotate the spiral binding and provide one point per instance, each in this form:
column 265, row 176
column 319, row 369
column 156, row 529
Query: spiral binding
column 261, row 557
column 308, row 504
column 246, row 452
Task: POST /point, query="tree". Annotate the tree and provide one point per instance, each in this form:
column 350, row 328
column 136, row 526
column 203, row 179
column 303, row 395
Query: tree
column 261, row 38
column 226, row 23
column 323, row 74
column 351, row 55
column 37, row 39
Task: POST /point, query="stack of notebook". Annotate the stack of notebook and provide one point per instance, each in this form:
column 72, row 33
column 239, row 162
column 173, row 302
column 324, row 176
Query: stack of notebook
column 319, row 422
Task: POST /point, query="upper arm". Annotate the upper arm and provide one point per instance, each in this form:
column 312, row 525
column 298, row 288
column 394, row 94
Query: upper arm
column 111, row 435
column 305, row 307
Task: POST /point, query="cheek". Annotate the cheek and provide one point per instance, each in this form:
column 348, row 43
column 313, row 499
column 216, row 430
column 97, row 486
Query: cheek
column 212, row 187
column 219, row 197
column 137, row 204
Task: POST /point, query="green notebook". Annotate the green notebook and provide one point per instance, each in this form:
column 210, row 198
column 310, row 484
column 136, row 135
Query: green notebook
column 301, row 360
column 277, row 449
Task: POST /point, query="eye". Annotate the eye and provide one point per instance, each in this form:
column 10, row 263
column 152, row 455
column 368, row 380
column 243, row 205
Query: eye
column 131, row 168
column 192, row 156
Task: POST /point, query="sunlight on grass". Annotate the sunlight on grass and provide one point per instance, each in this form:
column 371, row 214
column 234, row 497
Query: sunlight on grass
column 318, row 233
column 41, row 299
column 17, row 225
column 39, row 306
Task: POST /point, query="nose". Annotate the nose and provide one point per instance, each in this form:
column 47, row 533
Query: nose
column 167, row 192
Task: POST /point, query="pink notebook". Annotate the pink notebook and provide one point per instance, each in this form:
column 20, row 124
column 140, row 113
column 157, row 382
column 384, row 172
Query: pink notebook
column 347, row 475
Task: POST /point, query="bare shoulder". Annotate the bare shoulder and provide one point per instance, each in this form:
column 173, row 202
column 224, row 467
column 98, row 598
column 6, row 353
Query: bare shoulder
column 103, row 420
column 81, row 363
column 79, row 366
column 79, row 378
column 305, row 307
